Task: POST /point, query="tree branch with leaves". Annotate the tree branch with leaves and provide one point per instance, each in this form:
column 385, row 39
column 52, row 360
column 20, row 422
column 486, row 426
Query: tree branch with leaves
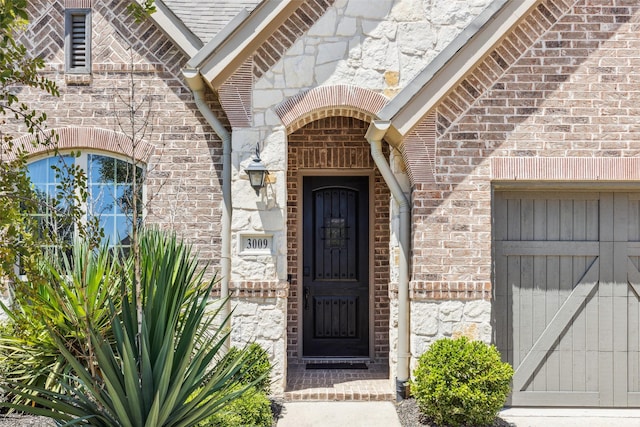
column 20, row 233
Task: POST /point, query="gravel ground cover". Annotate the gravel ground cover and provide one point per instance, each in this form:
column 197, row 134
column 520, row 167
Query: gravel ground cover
column 15, row 420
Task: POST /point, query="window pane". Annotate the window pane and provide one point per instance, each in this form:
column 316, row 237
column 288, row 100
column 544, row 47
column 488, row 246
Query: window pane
column 107, row 223
column 99, row 201
column 124, row 172
column 123, row 200
column 44, row 171
column 101, row 169
column 111, row 188
column 38, row 171
column 123, row 229
column 46, row 175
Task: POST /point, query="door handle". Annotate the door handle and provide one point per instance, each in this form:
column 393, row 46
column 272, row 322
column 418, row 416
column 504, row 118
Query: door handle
column 306, row 298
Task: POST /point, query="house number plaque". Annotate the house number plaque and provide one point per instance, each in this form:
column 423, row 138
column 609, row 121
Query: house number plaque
column 256, row 244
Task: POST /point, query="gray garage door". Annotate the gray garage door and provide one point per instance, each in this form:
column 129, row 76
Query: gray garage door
column 567, row 310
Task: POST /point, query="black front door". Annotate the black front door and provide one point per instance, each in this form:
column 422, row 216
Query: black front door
column 335, row 266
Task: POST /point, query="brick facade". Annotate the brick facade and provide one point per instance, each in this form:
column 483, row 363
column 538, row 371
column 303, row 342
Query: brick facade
column 338, row 143
column 329, row 101
column 181, row 152
column 563, row 83
column 557, row 99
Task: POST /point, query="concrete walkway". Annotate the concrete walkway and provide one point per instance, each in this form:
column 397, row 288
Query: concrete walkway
column 334, row 414
column 383, row 414
column 561, row 417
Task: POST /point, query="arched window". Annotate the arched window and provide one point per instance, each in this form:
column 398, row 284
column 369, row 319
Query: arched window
column 110, row 193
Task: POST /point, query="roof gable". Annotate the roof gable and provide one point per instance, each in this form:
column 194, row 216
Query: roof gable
column 563, row 64
column 466, row 77
column 206, row 18
column 449, row 68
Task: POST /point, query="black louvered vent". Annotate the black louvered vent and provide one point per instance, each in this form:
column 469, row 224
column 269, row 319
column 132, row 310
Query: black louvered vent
column 78, row 41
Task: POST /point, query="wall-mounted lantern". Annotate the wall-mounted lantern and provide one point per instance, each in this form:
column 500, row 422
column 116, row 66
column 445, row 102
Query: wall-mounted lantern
column 257, row 172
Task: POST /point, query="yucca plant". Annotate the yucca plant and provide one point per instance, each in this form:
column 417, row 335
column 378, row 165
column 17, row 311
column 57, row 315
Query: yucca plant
column 70, row 298
column 165, row 376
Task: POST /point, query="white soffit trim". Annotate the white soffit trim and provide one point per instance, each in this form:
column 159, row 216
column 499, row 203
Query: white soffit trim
column 217, row 60
column 453, row 63
column 175, row 29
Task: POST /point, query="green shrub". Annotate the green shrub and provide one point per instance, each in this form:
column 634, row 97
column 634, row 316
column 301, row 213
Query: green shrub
column 252, row 408
column 258, row 367
column 460, row 382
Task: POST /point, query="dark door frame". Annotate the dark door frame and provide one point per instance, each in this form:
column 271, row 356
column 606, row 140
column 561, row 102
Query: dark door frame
column 300, row 233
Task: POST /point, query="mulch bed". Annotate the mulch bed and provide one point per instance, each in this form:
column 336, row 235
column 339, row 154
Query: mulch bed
column 410, row 416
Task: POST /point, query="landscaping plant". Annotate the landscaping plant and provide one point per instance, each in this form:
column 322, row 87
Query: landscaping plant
column 70, row 297
column 166, row 376
column 257, row 371
column 253, row 407
column 461, row 383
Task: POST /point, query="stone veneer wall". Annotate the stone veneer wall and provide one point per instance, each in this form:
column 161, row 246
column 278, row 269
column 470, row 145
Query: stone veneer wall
column 378, row 48
column 562, row 87
column 338, row 143
column 262, row 320
column 352, row 44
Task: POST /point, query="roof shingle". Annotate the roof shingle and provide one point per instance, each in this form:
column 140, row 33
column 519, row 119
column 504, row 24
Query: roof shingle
column 205, row 18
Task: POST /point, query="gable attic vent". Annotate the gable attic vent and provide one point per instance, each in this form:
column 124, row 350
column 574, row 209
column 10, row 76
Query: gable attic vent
column 78, row 41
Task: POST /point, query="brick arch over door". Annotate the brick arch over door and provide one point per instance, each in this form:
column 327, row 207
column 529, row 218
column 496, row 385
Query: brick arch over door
column 338, row 143
column 330, row 101
column 73, row 138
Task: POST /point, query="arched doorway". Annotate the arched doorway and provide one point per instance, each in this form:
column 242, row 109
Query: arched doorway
column 330, row 157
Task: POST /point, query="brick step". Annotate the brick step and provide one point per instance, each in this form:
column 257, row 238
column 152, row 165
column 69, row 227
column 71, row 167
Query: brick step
column 330, row 394
column 372, row 384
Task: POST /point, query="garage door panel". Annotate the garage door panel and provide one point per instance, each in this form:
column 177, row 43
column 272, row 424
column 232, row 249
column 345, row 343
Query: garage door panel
column 578, row 350
column 633, row 332
column 605, row 319
column 539, row 223
column 620, row 217
column 547, row 248
column 513, row 296
column 552, row 398
column 526, row 219
column 633, row 399
column 553, row 301
column 574, row 340
column 558, row 329
column 593, row 220
column 513, row 220
column 592, row 342
column 634, row 260
column 592, row 362
column 620, row 383
column 620, row 317
column 606, row 212
column 606, row 275
column 551, row 369
column 566, row 220
column 579, row 226
column 524, row 294
column 634, row 218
